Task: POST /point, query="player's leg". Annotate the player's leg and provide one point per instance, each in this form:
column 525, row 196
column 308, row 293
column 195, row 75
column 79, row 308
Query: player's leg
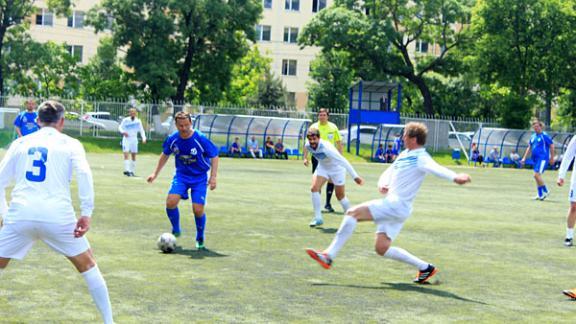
column 199, row 193
column 173, row 213
column 126, row 163
column 87, row 267
column 3, row 264
column 318, row 180
column 133, row 161
column 16, row 239
column 339, row 181
column 539, row 168
column 570, row 222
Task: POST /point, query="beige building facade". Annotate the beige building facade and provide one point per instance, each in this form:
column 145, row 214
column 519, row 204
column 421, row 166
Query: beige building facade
column 81, row 40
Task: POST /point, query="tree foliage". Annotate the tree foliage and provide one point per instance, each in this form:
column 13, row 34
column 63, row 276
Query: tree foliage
column 181, row 48
column 332, row 77
column 271, row 92
column 246, row 76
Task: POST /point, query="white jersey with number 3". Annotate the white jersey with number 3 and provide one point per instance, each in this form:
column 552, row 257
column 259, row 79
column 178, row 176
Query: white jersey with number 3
column 41, row 165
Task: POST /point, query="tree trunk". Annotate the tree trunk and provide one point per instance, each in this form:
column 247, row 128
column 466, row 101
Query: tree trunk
column 184, row 75
column 425, row 92
column 2, row 34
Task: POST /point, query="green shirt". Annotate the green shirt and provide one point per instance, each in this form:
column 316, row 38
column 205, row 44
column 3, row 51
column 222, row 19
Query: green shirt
column 328, row 132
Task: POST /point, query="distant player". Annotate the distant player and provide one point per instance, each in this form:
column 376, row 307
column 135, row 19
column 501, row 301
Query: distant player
column 129, row 128
column 26, row 123
column 571, row 218
column 331, row 166
column 195, row 155
column 542, row 148
column 41, row 208
column 328, row 133
column 400, row 183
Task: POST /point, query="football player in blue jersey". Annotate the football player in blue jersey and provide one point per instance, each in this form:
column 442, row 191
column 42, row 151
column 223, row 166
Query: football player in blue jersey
column 195, row 155
column 542, row 148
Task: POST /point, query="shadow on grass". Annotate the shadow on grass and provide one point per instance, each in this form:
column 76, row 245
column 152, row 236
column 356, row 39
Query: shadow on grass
column 407, row 287
column 329, row 230
column 198, row 254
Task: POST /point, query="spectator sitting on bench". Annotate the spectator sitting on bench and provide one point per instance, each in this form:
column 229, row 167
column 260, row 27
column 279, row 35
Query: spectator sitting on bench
column 379, row 156
column 253, row 147
column 515, row 158
column 494, row 156
column 269, row 148
column 389, row 155
column 235, row 148
column 280, row 151
column 476, row 156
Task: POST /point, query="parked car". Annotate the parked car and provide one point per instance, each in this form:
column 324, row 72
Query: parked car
column 465, row 138
column 91, row 120
column 367, row 133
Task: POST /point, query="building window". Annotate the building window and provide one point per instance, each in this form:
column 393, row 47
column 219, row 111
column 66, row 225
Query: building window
column 421, row 46
column 290, row 34
column 318, row 5
column 44, row 18
column 267, row 4
column 288, row 67
column 76, row 20
column 263, row 32
column 75, row 51
column 293, row 5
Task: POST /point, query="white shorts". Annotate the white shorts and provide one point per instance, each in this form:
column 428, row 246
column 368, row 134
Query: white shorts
column 129, row 145
column 389, row 215
column 17, row 238
column 338, row 176
column 572, row 192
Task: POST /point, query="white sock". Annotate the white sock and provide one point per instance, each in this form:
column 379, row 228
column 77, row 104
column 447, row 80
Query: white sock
column 132, row 166
column 317, row 205
column 399, row 254
column 569, row 233
column 127, row 165
column 99, row 292
column 345, row 204
column 344, row 232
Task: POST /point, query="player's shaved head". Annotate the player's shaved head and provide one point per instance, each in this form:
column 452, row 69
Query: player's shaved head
column 313, row 131
column 50, row 112
column 418, row 131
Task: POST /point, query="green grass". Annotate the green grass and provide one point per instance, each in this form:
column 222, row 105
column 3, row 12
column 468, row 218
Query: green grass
column 500, row 254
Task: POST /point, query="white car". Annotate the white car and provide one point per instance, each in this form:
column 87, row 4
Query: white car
column 367, row 133
column 101, row 120
column 455, row 138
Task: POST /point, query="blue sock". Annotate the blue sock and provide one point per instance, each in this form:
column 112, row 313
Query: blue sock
column 200, row 226
column 174, row 216
column 540, row 191
column 544, row 189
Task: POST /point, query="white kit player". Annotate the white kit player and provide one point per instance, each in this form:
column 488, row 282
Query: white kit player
column 41, row 165
column 400, row 183
column 331, row 166
column 130, row 127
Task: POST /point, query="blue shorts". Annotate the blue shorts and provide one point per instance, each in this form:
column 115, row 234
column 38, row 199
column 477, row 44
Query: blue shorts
column 197, row 188
column 540, row 165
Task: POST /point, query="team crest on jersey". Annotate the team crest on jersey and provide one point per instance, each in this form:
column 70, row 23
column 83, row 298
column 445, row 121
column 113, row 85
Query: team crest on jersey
column 193, row 151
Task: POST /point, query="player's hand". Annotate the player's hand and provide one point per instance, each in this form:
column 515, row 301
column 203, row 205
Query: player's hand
column 143, row 141
column 151, row 178
column 552, row 161
column 523, row 161
column 212, row 183
column 383, row 190
column 560, row 182
column 305, row 162
column 462, row 178
column 82, row 226
column 359, row 181
column 125, row 134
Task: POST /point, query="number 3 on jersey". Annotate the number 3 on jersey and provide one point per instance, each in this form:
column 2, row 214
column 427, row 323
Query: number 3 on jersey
column 37, row 172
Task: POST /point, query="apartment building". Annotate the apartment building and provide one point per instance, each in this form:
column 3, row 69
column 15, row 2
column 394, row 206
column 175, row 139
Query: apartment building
column 81, row 40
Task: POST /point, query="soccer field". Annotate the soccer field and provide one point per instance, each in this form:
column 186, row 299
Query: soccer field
column 500, row 254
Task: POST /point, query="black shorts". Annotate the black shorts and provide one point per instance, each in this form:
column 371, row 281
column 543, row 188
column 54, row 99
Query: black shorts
column 314, row 164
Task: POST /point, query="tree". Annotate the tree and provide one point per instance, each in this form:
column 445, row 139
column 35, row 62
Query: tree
column 13, row 13
column 526, row 46
column 380, row 41
column 246, row 76
column 103, row 78
column 332, row 77
column 180, row 48
column 271, row 92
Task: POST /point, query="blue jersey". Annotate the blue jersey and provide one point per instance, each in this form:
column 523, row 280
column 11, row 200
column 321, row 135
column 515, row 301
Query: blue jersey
column 540, row 146
column 26, row 121
column 397, row 145
column 192, row 155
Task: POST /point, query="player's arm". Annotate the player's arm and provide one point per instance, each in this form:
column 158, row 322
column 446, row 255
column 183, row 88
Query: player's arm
column 17, row 125
column 6, row 175
column 121, row 128
column 161, row 163
column 305, row 155
column 551, row 152
column 18, row 131
column 384, row 181
column 213, row 172
column 526, row 154
column 338, row 139
column 142, row 133
column 427, row 164
column 85, row 189
column 566, row 160
column 333, row 153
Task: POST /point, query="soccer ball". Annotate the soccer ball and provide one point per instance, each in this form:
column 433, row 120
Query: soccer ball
column 166, row 243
